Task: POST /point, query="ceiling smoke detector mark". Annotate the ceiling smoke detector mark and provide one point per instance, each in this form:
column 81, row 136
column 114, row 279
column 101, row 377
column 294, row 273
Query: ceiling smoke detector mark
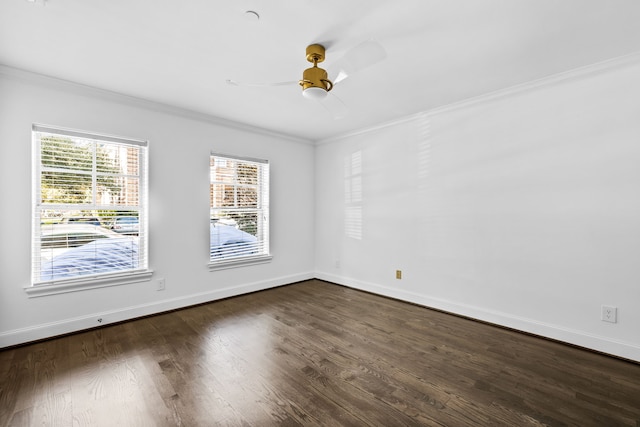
column 252, row 15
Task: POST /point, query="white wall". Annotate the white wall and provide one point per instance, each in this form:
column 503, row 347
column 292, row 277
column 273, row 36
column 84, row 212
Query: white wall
column 520, row 208
column 179, row 147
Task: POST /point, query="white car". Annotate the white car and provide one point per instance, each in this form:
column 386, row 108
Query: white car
column 125, row 225
column 58, row 238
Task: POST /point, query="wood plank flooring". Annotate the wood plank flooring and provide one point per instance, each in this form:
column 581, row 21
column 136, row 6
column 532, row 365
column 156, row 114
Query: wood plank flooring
column 312, row 354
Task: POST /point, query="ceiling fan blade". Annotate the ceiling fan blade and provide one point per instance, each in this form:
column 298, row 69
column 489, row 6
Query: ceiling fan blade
column 334, row 105
column 356, row 59
column 235, row 83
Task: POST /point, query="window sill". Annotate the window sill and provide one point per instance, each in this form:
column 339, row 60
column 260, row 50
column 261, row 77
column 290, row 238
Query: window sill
column 240, row 262
column 86, row 283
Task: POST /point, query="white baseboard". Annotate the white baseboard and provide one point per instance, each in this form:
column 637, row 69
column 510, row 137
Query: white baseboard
column 65, row 326
column 602, row 344
column 580, row 338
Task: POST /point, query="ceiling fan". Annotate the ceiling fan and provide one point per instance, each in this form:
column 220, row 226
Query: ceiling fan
column 315, row 81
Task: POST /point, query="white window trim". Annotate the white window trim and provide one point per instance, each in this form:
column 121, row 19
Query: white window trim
column 240, row 158
column 86, row 283
column 241, row 261
column 104, row 280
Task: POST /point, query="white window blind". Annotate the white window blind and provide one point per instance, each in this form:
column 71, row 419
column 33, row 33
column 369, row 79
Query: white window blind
column 89, row 206
column 239, row 209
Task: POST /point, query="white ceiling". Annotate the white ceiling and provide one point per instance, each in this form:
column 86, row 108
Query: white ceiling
column 181, row 52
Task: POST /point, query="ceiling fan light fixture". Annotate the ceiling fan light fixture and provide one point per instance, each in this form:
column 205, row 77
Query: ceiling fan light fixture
column 314, row 92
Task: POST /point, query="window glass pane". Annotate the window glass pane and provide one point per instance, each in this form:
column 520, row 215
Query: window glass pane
column 247, row 197
column 247, row 222
column 247, row 174
column 125, row 223
column 67, row 153
column 65, row 187
column 117, row 159
column 87, row 220
column 99, row 256
column 222, row 195
column 223, row 171
column 239, row 209
column 117, row 190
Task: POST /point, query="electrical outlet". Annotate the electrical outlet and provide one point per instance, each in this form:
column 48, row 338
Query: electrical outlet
column 337, row 263
column 160, row 285
column 398, row 274
column 609, row 314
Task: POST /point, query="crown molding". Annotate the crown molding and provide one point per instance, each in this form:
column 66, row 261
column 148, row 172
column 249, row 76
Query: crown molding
column 549, row 81
column 86, row 90
column 545, row 82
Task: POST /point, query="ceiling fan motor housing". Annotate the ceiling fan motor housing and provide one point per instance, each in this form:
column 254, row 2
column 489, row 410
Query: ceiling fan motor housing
column 315, row 77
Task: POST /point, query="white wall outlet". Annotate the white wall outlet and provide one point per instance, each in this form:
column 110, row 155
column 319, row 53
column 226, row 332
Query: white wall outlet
column 609, row 314
column 160, row 285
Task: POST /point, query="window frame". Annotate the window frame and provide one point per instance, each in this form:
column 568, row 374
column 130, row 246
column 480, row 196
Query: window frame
column 89, row 281
column 261, row 210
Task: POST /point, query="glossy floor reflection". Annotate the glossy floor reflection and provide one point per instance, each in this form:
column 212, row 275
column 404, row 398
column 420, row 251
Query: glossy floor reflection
column 312, row 354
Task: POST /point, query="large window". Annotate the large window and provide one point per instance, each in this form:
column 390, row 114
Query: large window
column 89, row 207
column 239, row 211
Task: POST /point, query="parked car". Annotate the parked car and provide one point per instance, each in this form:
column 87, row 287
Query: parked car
column 125, row 225
column 119, row 253
column 225, row 221
column 228, row 241
column 58, row 238
column 82, row 220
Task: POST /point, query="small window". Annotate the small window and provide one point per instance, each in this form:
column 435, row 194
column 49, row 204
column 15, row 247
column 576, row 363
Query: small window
column 239, row 211
column 84, row 187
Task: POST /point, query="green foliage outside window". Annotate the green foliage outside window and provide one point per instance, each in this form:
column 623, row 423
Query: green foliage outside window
column 67, row 170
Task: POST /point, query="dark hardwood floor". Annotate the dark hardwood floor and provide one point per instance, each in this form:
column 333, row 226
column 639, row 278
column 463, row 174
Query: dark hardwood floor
column 311, row 354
